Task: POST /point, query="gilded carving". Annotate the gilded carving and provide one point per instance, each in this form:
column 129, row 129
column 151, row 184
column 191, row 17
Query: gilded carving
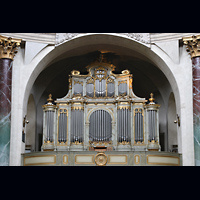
column 8, row 47
column 192, row 45
column 101, row 159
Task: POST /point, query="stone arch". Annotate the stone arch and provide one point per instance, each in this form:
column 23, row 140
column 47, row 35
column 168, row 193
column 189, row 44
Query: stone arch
column 100, row 41
column 49, row 55
column 52, row 54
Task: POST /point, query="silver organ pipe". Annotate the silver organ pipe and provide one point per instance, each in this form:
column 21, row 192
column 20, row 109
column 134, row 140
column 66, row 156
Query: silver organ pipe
column 62, row 126
column 49, row 113
column 78, row 88
column 90, row 89
column 49, row 124
column 152, row 124
column 124, row 124
column 100, row 88
column 100, row 128
column 139, row 125
column 110, row 89
column 77, row 117
column 122, row 88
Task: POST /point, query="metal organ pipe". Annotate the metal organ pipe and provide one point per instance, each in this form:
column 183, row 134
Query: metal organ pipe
column 100, row 126
column 152, row 124
column 49, row 115
column 124, row 124
column 77, row 125
column 139, row 125
column 47, row 124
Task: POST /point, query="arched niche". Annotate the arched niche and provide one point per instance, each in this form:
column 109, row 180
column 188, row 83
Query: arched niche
column 31, row 126
column 172, row 127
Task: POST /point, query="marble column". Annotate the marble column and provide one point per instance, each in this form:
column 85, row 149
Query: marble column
column 193, row 48
column 8, row 49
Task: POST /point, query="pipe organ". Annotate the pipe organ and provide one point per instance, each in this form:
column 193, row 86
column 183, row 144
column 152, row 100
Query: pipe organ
column 101, row 111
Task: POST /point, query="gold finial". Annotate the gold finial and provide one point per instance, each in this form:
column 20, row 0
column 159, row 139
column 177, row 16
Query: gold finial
column 151, row 99
column 75, row 72
column 50, row 99
column 125, row 72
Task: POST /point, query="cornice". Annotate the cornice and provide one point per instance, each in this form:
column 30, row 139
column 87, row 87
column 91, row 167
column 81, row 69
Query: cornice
column 46, row 38
column 50, row 38
column 164, row 37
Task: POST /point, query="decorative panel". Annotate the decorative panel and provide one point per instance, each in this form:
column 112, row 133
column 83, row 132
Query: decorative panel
column 117, row 159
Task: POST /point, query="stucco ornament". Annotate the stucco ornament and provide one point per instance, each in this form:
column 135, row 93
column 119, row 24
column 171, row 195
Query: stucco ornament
column 140, row 37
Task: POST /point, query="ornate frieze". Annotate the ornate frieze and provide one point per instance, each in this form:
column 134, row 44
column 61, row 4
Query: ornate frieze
column 8, row 47
column 140, row 37
column 192, row 45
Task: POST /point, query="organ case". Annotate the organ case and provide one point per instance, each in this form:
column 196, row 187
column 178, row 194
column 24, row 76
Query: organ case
column 101, row 110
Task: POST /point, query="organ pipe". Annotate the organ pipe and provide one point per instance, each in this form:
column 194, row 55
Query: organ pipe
column 100, row 129
column 77, row 118
column 62, row 126
column 123, row 116
column 139, row 123
column 153, row 123
column 49, row 115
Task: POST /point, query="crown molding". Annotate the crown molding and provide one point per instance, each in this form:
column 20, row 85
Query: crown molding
column 53, row 38
column 46, row 38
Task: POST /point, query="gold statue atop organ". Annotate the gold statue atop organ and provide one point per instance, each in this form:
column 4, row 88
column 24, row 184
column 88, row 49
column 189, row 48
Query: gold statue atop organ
column 101, row 113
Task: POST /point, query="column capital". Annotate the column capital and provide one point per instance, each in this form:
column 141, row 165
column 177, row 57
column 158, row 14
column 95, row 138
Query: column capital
column 8, row 47
column 192, row 45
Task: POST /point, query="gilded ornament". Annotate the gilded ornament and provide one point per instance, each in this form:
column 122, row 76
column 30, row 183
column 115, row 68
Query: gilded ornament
column 8, row 47
column 101, row 159
column 126, row 72
column 192, row 45
column 75, row 72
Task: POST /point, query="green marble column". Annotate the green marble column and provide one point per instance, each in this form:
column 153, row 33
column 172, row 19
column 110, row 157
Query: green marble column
column 5, row 109
column 7, row 51
column 196, row 107
column 193, row 48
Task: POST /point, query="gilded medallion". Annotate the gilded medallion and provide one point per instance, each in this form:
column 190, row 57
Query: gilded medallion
column 101, row 159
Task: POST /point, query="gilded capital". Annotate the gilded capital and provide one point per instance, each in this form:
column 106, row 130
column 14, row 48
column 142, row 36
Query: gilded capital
column 192, row 45
column 8, row 47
